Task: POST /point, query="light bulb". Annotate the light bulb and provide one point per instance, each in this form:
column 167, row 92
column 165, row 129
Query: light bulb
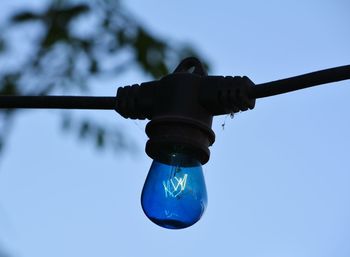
column 174, row 195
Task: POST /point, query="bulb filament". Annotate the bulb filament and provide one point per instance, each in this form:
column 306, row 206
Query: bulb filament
column 175, row 186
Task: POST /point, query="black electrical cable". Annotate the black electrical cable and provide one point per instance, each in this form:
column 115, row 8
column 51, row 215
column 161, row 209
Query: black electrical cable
column 299, row 82
column 59, row 102
column 110, row 103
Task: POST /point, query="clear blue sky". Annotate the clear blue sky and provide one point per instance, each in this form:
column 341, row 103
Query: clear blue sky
column 279, row 176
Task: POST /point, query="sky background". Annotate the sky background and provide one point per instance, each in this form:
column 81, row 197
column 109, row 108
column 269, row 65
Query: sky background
column 278, row 179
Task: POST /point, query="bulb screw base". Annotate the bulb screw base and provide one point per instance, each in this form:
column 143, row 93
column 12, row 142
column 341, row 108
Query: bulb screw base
column 169, row 135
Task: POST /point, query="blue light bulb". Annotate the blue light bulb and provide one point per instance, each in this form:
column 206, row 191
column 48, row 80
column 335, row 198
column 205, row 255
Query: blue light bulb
column 174, row 195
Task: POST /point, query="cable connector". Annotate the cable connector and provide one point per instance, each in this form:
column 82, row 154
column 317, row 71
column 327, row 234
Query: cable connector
column 137, row 101
column 181, row 107
column 224, row 95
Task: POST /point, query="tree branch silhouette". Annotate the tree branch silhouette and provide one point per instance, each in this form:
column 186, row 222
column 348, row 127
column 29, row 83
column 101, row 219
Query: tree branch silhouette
column 70, row 44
